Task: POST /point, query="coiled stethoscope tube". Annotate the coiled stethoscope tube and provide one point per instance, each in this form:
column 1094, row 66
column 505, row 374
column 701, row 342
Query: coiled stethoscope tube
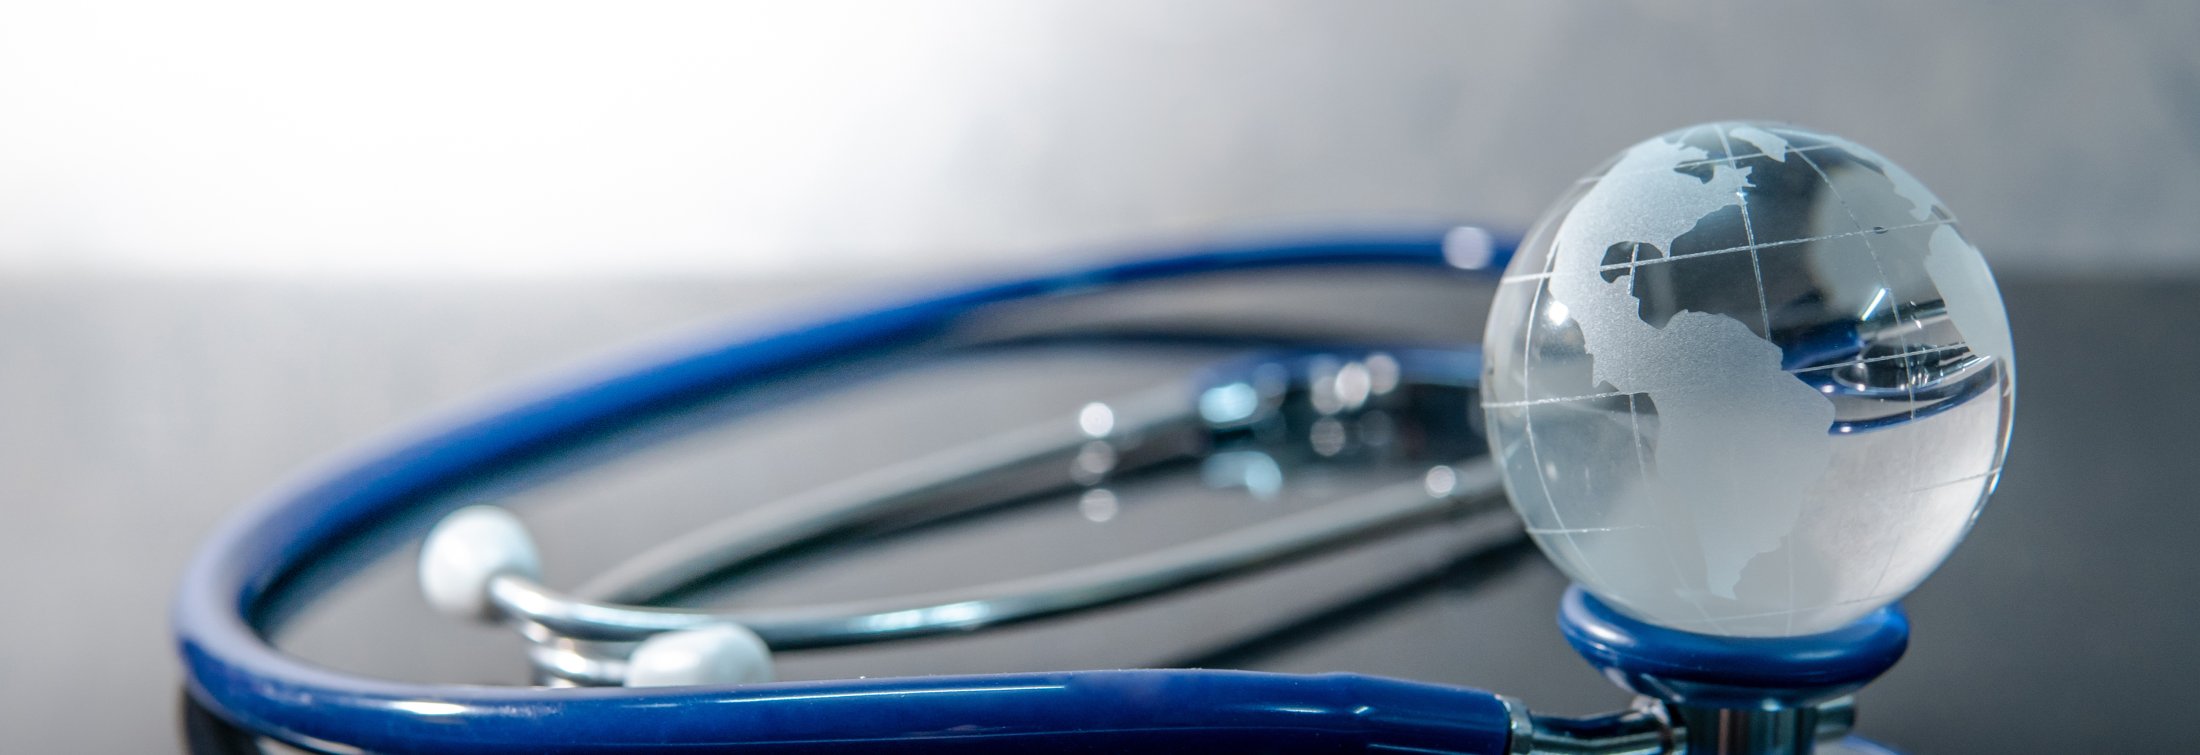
column 235, row 588
column 234, row 671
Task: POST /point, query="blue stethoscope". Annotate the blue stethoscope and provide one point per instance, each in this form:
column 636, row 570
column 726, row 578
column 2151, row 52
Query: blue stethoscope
column 617, row 674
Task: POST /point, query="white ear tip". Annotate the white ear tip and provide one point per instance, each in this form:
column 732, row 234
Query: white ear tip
column 717, row 654
column 465, row 551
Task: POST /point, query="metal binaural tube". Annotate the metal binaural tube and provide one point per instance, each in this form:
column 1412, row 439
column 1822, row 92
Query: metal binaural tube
column 1278, row 410
column 585, row 637
column 1144, row 429
column 1270, row 544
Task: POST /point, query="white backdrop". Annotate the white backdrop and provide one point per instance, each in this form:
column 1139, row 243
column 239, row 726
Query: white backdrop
column 534, row 138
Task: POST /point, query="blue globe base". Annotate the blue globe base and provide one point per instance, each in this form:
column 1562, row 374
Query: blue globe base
column 1709, row 671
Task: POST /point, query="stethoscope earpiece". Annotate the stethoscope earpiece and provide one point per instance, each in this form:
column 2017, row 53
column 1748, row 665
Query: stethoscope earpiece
column 464, row 555
column 719, row 654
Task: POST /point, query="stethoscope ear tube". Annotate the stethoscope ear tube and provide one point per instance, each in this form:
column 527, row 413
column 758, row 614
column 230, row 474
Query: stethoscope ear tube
column 1468, row 488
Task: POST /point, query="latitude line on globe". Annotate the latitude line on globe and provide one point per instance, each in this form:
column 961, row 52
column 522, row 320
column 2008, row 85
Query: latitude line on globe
column 1556, row 400
column 1798, row 371
column 1896, row 547
column 1694, row 163
column 1945, row 483
column 1524, row 277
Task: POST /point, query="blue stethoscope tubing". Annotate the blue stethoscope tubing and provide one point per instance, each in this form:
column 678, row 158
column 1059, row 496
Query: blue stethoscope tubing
column 234, row 670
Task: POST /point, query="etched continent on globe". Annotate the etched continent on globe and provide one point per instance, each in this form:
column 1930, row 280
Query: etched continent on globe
column 1748, row 380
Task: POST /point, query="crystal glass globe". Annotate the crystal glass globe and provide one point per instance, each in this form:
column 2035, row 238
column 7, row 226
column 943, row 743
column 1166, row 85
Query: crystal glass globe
column 1748, row 380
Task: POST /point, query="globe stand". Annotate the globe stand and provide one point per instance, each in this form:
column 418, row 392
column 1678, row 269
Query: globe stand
column 1737, row 695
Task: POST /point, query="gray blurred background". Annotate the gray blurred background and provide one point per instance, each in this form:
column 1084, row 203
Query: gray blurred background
column 241, row 236
column 537, row 138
